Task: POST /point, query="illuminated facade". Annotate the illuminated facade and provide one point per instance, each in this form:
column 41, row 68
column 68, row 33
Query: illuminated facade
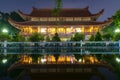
column 69, row 22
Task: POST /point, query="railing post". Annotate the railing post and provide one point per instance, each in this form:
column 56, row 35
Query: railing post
column 81, row 47
column 119, row 47
column 43, row 47
column 5, row 46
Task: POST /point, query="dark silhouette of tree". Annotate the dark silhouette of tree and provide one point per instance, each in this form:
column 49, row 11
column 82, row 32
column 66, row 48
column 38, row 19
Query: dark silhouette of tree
column 56, row 37
column 47, row 38
column 116, row 37
column 18, row 38
column 98, row 36
column 78, row 37
column 92, row 38
column 36, row 37
column 57, row 11
column 58, row 7
column 4, row 37
column 117, row 18
column 107, row 36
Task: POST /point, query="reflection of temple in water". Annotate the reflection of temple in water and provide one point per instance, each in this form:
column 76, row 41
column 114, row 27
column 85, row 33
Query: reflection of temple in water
column 65, row 67
column 62, row 59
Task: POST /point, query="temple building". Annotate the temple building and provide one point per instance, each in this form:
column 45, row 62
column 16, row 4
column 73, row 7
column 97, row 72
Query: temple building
column 69, row 21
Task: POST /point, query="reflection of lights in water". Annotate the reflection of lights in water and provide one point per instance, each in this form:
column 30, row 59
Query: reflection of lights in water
column 80, row 60
column 4, row 61
column 43, row 60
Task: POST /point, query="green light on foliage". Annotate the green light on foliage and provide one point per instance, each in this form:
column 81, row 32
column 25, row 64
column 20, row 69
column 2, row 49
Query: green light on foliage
column 5, row 31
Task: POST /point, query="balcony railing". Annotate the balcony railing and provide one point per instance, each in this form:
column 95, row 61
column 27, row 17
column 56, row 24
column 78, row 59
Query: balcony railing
column 80, row 47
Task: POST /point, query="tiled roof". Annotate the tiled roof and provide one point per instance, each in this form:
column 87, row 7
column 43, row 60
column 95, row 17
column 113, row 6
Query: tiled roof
column 70, row 12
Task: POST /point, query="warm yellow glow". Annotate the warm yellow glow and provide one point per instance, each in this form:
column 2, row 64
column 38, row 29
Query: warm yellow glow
column 64, row 58
column 61, row 30
column 30, row 30
column 43, row 30
column 39, row 29
column 91, row 28
column 69, row 19
column 96, row 29
column 34, row 19
column 53, row 30
column 77, row 19
column 68, row 30
column 90, row 59
column 52, row 19
column 26, row 59
column 78, row 30
column 51, row 58
column 43, row 19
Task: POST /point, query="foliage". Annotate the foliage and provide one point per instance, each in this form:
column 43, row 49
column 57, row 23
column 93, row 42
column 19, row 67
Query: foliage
column 116, row 37
column 47, row 38
column 107, row 36
column 56, row 37
column 58, row 6
column 98, row 36
column 114, row 25
column 78, row 37
column 36, row 37
column 18, row 38
column 4, row 37
column 92, row 38
column 4, row 24
column 117, row 18
column 110, row 28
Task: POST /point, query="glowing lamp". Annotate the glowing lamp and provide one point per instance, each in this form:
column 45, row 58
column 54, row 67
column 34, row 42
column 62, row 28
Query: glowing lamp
column 5, row 31
column 4, row 61
column 117, row 30
column 78, row 30
column 117, row 59
column 43, row 30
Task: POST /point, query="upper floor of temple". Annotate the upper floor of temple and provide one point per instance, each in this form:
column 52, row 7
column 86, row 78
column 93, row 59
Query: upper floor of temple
column 66, row 14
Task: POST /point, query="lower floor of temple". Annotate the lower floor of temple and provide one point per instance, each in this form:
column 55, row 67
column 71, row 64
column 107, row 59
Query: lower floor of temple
column 63, row 31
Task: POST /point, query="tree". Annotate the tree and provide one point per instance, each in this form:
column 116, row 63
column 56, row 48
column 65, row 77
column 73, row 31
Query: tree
column 57, row 11
column 78, row 37
column 18, row 38
column 116, row 37
column 117, row 18
column 92, row 38
column 107, row 36
column 56, row 37
column 4, row 37
column 36, row 37
column 58, row 7
column 4, row 24
column 47, row 38
column 98, row 36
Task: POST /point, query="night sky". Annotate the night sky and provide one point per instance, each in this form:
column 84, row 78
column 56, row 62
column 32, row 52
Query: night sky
column 110, row 6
